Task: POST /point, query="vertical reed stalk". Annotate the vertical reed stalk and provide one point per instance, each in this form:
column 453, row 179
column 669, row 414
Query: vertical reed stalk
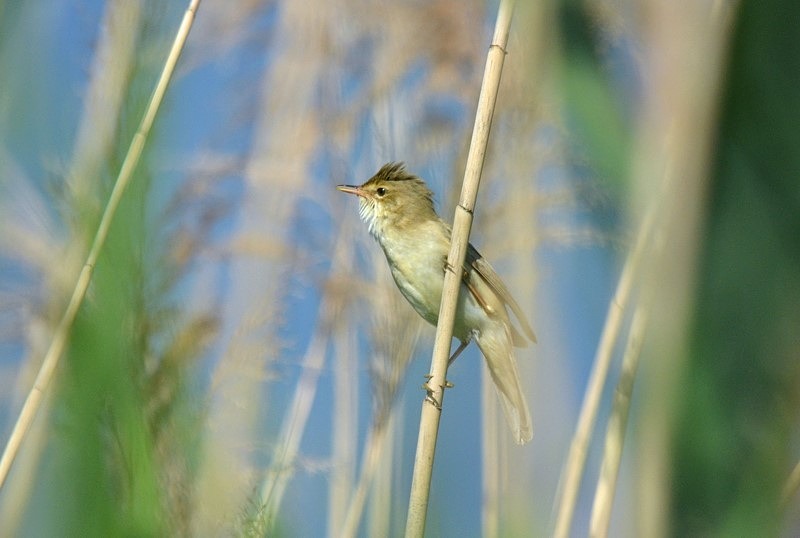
column 432, row 405
column 576, row 459
column 615, row 431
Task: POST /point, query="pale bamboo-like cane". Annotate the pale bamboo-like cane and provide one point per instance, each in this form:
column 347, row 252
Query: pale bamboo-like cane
column 432, row 405
column 62, row 332
column 284, row 460
column 576, row 459
column 615, row 431
column 373, row 448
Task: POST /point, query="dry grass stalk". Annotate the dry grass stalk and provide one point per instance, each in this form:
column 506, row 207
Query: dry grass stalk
column 344, row 416
column 62, row 332
column 576, row 459
column 374, row 447
column 395, row 334
column 429, row 421
column 380, row 520
column 283, row 463
column 615, row 431
column 296, row 418
column 492, row 470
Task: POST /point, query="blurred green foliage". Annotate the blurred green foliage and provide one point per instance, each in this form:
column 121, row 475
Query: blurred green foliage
column 123, row 434
column 599, row 125
column 733, row 444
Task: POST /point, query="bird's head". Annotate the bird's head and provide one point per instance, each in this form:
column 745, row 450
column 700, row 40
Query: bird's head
column 392, row 198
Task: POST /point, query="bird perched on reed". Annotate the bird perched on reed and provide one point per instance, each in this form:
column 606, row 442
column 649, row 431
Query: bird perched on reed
column 397, row 208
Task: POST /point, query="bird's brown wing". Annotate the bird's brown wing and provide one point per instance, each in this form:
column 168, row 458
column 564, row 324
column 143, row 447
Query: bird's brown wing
column 475, row 262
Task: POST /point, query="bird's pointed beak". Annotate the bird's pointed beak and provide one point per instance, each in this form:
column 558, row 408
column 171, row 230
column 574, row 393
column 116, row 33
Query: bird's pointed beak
column 352, row 189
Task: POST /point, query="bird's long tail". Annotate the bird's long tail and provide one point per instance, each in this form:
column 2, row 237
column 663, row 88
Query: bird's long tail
column 496, row 345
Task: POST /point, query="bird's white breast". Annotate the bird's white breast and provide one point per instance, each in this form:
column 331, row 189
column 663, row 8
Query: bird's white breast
column 418, row 269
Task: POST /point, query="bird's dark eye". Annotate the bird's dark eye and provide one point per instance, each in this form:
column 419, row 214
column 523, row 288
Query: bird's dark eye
column 381, row 191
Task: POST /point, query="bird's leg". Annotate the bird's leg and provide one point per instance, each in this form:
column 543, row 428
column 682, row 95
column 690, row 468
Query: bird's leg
column 461, row 347
column 447, row 384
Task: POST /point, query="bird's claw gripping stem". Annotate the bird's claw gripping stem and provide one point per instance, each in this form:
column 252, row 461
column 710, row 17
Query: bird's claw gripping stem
column 429, row 391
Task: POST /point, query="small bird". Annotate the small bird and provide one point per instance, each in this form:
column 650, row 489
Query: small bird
column 398, row 209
